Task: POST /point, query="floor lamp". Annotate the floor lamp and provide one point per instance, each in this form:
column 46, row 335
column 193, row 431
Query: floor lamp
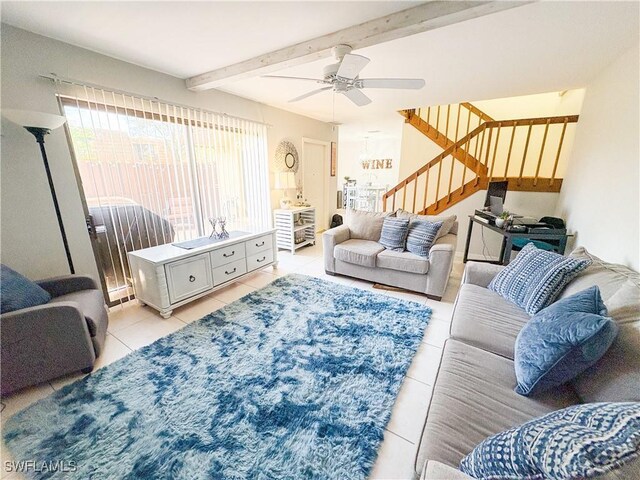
column 40, row 124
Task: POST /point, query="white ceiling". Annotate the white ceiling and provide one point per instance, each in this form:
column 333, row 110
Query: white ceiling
column 540, row 47
column 189, row 37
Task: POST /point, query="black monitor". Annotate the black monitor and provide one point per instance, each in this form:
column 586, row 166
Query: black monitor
column 496, row 189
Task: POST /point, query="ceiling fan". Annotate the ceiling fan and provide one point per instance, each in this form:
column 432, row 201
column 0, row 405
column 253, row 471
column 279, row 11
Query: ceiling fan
column 342, row 77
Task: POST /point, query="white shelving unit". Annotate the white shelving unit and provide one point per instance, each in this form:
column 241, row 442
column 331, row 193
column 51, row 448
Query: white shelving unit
column 367, row 198
column 286, row 221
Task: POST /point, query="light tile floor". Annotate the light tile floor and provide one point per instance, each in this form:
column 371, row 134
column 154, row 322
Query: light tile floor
column 132, row 326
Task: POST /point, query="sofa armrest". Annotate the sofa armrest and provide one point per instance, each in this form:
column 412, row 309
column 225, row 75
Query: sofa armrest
column 481, row 274
column 441, row 256
column 330, row 239
column 64, row 284
column 43, row 342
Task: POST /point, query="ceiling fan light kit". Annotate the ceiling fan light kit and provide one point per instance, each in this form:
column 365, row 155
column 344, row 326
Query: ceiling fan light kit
column 343, row 77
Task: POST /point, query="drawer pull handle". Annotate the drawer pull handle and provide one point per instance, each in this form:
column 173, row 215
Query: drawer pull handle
column 261, row 259
column 232, row 271
column 260, row 244
column 233, row 252
column 192, row 278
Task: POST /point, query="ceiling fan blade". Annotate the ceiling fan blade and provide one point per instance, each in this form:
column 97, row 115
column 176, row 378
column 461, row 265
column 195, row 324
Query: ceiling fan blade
column 357, row 97
column 308, row 94
column 351, row 66
column 407, row 83
column 317, row 80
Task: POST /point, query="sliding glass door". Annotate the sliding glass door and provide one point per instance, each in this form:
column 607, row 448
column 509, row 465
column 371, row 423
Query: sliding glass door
column 153, row 173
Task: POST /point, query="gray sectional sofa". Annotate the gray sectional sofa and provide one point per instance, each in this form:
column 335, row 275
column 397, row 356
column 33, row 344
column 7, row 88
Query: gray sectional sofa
column 473, row 396
column 352, row 249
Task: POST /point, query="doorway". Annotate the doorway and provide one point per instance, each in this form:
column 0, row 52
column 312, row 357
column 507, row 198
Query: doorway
column 315, row 178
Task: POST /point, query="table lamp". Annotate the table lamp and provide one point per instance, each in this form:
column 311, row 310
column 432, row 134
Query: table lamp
column 285, row 181
column 40, row 124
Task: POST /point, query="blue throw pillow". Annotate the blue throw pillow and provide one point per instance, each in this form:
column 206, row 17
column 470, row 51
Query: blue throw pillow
column 581, row 441
column 535, row 278
column 18, row 292
column 561, row 341
column 421, row 236
column 394, row 233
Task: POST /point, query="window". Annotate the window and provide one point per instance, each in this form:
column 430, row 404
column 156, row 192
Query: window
column 154, row 173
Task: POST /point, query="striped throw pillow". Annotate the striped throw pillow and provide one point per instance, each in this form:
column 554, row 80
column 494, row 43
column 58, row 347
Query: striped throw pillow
column 536, row 277
column 421, row 236
column 394, row 233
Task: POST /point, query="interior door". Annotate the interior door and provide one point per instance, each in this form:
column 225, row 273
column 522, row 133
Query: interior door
column 315, row 164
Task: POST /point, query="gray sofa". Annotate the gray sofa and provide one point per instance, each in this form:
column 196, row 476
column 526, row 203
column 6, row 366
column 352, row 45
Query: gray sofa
column 47, row 341
column 352, row 249
column 473, row 396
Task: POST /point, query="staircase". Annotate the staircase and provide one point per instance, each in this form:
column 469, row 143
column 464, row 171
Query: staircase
column 477, row 150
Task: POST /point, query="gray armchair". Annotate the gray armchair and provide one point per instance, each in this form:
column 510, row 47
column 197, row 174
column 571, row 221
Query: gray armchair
column 47, row 341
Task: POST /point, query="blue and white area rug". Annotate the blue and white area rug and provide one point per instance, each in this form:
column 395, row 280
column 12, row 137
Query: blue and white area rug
column 296, row 380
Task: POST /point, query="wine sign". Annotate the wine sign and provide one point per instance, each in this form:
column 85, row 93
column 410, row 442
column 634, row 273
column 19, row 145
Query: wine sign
column 381, row 164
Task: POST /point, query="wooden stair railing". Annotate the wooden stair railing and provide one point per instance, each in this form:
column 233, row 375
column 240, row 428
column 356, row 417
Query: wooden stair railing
column 456, row 173
column 440, row 138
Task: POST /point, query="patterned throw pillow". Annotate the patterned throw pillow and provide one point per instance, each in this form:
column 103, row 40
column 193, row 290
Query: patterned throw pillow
column 421, row 236
column 536, row 277
column 394, row 233
column 448, row 221
column 19, row 292
column 561, row 341
column 581, row 441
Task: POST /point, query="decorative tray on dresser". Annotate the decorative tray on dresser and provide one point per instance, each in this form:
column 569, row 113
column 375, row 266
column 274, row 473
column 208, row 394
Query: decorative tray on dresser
column 166, row 277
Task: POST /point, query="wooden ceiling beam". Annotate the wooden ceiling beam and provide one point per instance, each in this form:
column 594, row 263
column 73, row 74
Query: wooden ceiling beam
column 418, row 19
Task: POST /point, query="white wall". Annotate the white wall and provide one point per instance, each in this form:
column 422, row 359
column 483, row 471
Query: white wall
column 30, row 237
column 599, row 197
column 549, row 104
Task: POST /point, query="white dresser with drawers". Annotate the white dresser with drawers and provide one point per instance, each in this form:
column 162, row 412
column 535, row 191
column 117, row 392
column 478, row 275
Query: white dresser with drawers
column 166, row 276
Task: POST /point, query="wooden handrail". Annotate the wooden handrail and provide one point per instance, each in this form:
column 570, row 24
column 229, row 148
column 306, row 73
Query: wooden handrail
column 482, row 163
column 473, row 109
column 534, row 121
column 446, row 152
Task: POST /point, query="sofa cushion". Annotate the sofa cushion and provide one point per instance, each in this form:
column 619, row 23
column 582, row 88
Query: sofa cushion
column 365, row 225
column 616, row 376
column 359, row 252
column 485, row 319
column 91, row 304
column 561, row 341
column 624, row 305
column 394, row 233
column 608, row 276
column 581, row 441
column 449, row 224
column 619, row 285
column 19, row 292
column 536, row 277
column 421, row 236
column 403, row 261
column 473, row 398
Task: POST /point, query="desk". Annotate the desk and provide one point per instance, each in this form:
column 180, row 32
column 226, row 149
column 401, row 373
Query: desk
column 507, row 240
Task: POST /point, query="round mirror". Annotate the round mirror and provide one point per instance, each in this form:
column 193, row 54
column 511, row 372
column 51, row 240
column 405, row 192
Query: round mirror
column 289, row 160
column 286, row 157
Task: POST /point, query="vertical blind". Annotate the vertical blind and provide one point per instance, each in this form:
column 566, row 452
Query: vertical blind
column 155, row 173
